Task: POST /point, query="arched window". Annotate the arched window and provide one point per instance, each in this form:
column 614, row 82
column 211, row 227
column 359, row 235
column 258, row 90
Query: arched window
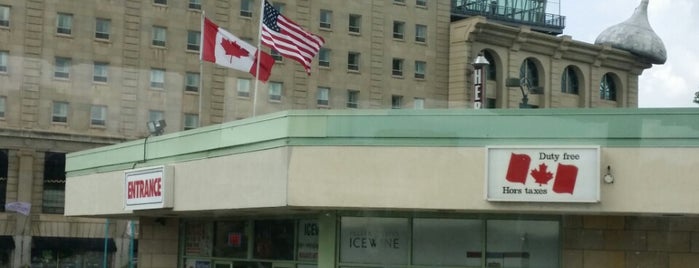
column 607, row 88
column 492, row 67
column 528, row 70
column 569, row 81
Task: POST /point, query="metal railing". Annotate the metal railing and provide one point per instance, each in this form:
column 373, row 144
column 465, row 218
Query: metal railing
column 535, row 18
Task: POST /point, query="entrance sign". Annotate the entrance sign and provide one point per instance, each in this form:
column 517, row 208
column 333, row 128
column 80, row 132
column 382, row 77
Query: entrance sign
column 148, row 188
column 543, row 174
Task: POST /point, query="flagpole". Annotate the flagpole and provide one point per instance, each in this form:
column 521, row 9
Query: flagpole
column 201, row 68
column 257, row 57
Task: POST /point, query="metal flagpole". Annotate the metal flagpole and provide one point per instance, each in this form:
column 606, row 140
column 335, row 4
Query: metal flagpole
column 259, row 51
column 201, row 68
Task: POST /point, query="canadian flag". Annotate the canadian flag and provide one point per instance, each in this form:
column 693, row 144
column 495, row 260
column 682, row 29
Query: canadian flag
column 225, row 49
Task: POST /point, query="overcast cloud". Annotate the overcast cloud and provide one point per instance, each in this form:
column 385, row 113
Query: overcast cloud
column 675, row 21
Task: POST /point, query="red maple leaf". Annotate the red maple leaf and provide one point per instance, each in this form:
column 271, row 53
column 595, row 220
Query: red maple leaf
column 233, row 49
column 541, row 175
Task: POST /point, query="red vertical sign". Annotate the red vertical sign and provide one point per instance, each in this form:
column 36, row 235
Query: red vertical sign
column 518, row 168
column 565, row 179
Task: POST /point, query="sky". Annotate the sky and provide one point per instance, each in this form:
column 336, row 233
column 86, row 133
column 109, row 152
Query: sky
column 672, row 84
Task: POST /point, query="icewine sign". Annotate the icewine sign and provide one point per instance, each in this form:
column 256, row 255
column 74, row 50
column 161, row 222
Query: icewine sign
column 543, row 174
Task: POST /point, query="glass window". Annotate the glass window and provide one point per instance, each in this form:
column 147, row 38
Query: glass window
column 569, row 81
column 100, row 72
column 231, row 239
column 396, row 101
column 243, row 87
column 4, row 16
column 191, row 121
column 62, row 68
column 275, row 91
column 326, row 17
column 491, row 67
column 274, row 240
column 324, row 57
column 102, row 28
column 397, row 67
column 193, row 40
column 276, row 56
column 64, row 23
column 352, row 98
column 53, row 196
column 420, row 67
column 419, row 103
column 157, row 78
column 159, row 36
column 447, row 242
column 191, row 83
column 197, row 239
column 398, row 29
column 3, row 100
column 522, row 243
column 279, row 6
column 607, row 88
column 323, row 95
column 160, row 2
column 420, row 33
column 60, row 112
column 355, row 23
column 307, row 245
column 353, row 61
column 421, row 3
column 98, row 115
column 246, row 8
column 530, row 73
column 4, row 166
column 399, row 2
column 194, row 4
column 374, row 240
column 3, row 61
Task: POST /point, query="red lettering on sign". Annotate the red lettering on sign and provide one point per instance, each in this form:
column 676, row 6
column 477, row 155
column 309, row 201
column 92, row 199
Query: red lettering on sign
column 145, row 188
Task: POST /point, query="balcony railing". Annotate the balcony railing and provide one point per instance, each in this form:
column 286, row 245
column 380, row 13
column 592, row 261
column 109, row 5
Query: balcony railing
column 535, row 18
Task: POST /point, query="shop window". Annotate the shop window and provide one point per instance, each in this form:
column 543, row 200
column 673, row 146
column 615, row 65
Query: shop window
column 231, row 239
column 447, row 242
column 54, row 183
column 274, row 240
column 70, row 252
column 374, row 240
column 522, row 243
column 197, row 239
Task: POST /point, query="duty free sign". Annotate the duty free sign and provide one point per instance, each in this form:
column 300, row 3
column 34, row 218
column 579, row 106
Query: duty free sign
column 543, row 174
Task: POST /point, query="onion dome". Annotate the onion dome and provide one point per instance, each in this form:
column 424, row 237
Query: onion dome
column 636, row 36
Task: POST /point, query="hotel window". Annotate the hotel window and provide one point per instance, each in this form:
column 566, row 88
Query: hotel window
column 421, row 3
column 160, row 2
column 276, row 56
column 2, row 106
column 98, row 115
column 607, row 88
column 155, row 115
column 4, row 170
column 352, row 98
column 193, row 40
column 326, row 18
column 569, row 81
column 54, row 183
column 529, row 73
column 59, row 113
column 399, row 2
column 157, row 78
column 420, row 69
column 324, row 57
column 243, row 87
column 323, row 96
column 492, row 66
column 278, row 6
column 191, row 121
column 3, row 61
column 396, row 101
column 64, row 23
column 195, row 4
column 4, row 16
column 397, row 67
column 353, row 61
column 419, row 103
column 102, row 28
column 159, row 37
column 246, row 8
column 420, row 33
column 100, row 72
column 62, row 68
column 275, row 91
column 398, row 29
column 355, row 23
column 191, row 82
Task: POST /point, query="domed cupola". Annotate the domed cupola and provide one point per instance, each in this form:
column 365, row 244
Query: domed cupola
column 636, row 36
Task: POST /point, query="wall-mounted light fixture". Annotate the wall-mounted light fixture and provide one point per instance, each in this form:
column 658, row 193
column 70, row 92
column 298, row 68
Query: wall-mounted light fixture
column 156, row 128
column 608, row 178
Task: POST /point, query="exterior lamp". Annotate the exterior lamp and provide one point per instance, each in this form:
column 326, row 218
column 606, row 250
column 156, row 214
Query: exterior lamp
column 479, row 65
column 522, row 83
column 156, row 127
column 696, row 97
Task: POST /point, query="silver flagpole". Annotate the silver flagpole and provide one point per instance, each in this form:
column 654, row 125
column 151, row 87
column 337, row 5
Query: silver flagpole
column 201, row 68
column 259, row 52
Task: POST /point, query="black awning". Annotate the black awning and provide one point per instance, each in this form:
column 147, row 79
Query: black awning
column 87, row 244
column 7, row 242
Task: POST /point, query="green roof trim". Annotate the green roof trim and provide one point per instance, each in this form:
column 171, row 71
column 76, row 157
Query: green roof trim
column 649, row 127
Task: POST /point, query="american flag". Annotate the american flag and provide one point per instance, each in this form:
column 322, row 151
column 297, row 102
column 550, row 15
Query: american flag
column 288, row 38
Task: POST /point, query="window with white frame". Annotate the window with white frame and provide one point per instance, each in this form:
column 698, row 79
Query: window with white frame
column 420, row 33
column 399, row 2
column 159, row 36
column 397, row 67
column 396, row 101
column 59, row 112
column 98, row 115
column 62, row 68
column 193, row 40
column 398, row 30
column 419, row 103
column 243, row 87
column 102, row 28
column 194, row 4
column 326, row 19
column 353, row 61
column 157, row 78
column 4, row 55
column 191, row 121
column 420, row 67
column 64, row 23
column 421, row 3
column 246, row 8
column 352, row 98
column 100, row 72
column 355, row 23
column 191, row 82
column 155, row 115
column 324, row 57
column 4, row 16
column 3, row 100
column 323, row 96
column 275, row 91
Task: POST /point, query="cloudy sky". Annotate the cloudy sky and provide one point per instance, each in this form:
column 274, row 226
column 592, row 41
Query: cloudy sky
column 675, row 21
